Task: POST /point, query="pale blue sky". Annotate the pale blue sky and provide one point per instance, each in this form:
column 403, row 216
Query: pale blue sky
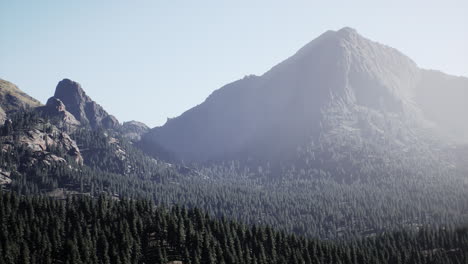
column 149, row 60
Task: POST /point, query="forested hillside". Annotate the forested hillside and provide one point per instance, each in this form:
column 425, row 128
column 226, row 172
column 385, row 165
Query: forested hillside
column 311, row 199
column 84, row 230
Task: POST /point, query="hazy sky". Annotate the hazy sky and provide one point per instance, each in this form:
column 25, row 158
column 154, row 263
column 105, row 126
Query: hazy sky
column 149, row 60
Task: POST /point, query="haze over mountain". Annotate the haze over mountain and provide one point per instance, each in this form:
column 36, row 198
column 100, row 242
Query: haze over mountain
column 442, row 98
column 338, row 84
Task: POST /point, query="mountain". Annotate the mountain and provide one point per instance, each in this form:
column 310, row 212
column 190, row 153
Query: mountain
column 134, row 130
column 82, row 107
column 340, row 86
column 13, row 99
column 349, row 165
column 44, row 147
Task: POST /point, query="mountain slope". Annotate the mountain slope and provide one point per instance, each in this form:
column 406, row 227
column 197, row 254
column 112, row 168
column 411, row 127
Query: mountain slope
column 339, row 84
column 13, row 99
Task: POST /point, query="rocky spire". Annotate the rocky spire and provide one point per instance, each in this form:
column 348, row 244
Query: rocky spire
column 82, row 107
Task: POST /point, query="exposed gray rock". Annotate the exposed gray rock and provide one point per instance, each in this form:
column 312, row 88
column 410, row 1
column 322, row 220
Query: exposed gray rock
column 56, row 110
column 55, row 105
column 82, row 107
column 5, row 177
column 119, row 152
column 40, row 140
column 133, row 130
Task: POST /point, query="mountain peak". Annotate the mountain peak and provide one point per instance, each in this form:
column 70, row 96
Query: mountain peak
column 364, row 71
column 347, row 31
column 348, row 34
column 338, row 77
column 82, row 107
column 67, row 87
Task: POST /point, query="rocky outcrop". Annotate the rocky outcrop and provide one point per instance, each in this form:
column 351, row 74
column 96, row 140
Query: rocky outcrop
column 82, row 107
column 56, row 111
column 133, row 130
column 40, row 142
column 5, row 177
column 119, row 151
column 46, row 143
column 13, row 99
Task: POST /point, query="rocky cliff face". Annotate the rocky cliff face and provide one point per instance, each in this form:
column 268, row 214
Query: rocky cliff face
column 133, row 130
column 13, row 99
column 82, row 107
column 44, row 141
column 56, row 110
column 341, row 85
